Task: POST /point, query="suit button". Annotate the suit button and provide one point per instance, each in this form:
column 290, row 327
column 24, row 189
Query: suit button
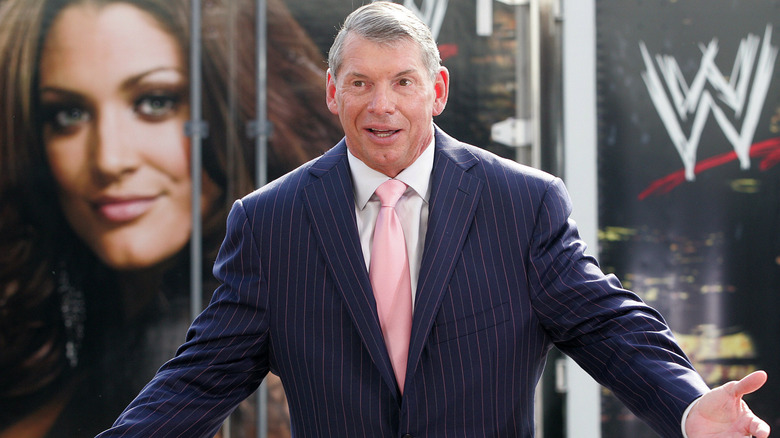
column 407, row 435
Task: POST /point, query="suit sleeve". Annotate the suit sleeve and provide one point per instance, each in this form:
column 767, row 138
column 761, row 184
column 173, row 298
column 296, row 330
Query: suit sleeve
column 225, row 355
column 619, row 340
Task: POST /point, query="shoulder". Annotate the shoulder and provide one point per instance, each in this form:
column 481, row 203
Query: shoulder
column 497, row 172
column 288, row 187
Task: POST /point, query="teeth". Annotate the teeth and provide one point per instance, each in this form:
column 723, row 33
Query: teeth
column 382, row 134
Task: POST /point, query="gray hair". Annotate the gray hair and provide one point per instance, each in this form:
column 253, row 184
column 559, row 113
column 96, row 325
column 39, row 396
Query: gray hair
column 385, row 22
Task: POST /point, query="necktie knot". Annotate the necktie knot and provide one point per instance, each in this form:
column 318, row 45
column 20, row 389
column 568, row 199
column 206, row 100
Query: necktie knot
column 389, row 192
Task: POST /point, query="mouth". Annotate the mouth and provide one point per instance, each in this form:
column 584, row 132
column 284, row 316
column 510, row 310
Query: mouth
column 383, row 133
column 123, row 209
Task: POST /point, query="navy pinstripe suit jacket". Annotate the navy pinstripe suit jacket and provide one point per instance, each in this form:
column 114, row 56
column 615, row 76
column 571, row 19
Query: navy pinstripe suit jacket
column 503, row 278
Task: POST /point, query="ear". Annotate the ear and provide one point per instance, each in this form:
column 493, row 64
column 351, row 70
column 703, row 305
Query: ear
column 441, row 87
column 330, row 93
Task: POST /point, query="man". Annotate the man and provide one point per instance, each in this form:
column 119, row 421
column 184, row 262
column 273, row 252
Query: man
column 498, row 269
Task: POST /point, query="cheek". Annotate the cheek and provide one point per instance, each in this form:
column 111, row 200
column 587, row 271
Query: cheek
column 68, row 162
column 172, row 159
column 167, row 149
column 349, row 106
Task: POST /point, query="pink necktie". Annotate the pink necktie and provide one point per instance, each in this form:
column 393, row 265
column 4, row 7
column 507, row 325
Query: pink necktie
column 389, row 273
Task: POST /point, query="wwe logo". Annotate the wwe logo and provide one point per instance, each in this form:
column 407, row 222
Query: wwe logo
column 676, row 100
column 432, row 13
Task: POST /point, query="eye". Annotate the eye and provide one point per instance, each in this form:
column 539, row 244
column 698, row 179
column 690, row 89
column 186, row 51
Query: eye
column 156, row 106
column 358, row 84
column 405, row 82
column 65, row 118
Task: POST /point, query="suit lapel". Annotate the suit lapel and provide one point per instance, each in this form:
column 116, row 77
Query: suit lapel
column 330, row 202
column 454, row 197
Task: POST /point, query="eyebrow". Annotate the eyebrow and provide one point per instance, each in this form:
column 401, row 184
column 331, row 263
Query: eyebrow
column 57, row 94
column 125, row 85
column 408, row 72
column 135, row 79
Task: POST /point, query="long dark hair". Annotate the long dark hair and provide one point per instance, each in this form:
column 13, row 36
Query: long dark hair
column 37, row 247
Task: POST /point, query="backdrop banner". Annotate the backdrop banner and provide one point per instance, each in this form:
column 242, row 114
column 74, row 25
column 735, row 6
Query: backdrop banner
column 689, row 181
column 96, row 189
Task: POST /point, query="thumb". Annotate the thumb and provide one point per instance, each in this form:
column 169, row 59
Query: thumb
column 750, row 383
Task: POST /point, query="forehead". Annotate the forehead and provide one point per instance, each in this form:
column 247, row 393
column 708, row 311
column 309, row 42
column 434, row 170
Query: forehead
column 362, row 56
column 116, row 38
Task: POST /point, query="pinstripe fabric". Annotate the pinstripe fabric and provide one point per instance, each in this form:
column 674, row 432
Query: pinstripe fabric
column 503, row 278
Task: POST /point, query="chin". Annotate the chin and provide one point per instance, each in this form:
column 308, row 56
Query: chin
column 130, row 258
column 131, row 264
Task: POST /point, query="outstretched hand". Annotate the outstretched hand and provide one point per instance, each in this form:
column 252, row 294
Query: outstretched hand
column 722, row 412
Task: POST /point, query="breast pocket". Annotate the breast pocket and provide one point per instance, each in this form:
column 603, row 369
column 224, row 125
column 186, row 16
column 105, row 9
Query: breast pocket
column 476, row 322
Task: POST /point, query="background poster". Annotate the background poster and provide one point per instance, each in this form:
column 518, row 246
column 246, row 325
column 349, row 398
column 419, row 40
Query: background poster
column 80, row 331
column 689, row 180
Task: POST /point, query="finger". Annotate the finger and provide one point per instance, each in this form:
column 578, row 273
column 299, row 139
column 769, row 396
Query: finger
column 759, row 429
column 750, row 383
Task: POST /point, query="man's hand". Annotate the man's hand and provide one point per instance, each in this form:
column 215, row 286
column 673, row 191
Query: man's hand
column 722, row 412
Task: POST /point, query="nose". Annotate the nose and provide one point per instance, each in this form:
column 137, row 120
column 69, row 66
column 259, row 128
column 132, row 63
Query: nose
column 382, row 100
column 113, row 154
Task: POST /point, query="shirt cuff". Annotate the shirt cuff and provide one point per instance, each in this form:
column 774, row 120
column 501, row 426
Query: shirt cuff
column 685, row 416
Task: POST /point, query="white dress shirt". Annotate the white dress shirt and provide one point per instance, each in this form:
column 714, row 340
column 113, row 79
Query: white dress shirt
column 412, row 208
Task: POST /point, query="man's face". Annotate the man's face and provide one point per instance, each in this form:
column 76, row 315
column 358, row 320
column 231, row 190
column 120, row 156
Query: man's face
column 386, row 100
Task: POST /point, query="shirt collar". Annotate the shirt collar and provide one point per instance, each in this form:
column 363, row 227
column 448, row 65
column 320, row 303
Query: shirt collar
column 417, row 176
